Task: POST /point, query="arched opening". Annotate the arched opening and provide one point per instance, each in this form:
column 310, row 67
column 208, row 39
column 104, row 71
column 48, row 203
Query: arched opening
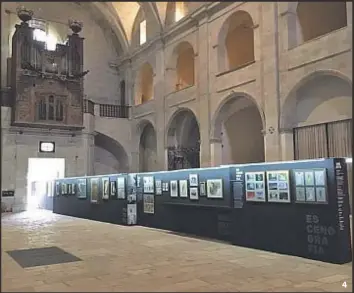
column 145, row 84
column 184, row 66
column 239, row 129
column 319, row 111
column 148, row 149
column 183, row 141
column 109, row 156
column 236, row 41
column 175, row 11
column 320, row 18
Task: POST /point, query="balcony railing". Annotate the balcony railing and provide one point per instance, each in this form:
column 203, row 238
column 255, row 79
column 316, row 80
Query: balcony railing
column 106, row 110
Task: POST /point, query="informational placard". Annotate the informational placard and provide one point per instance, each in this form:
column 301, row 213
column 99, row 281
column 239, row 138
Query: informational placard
column 311, row 186
column 255, row 186
column 238, row 189
column 278, row 186
column 341, row 186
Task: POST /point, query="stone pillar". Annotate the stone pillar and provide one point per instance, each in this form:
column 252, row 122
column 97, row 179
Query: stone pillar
column 215, row 152
column 287, row 142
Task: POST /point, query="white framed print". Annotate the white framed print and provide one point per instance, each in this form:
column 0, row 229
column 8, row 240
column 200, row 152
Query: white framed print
column 193, row 193
column 121, row 187
column 174, row 188
column 183, row 188
column 148, row 184
column 278, row 186
column 193, row 180
column 214, row 188
column 105, row 188
column 158, row 187
column 255, row 186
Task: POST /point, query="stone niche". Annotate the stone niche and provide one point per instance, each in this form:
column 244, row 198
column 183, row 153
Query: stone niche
column 46, row 86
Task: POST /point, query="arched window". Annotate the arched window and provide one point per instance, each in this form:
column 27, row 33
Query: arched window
column 185, row 66
column 320, row 18
column 237, row 41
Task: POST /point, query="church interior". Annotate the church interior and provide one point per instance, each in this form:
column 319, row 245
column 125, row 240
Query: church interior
column 96, row 89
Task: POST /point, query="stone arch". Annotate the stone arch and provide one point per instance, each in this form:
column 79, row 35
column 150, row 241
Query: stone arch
column 236, row 41
column 237, row 127
column 320, row 18
column 288, row 118
column 174, row 12
column 183, row 140
column 147, row 147
column 109, row 156
column 182, row 66
column 144, row 84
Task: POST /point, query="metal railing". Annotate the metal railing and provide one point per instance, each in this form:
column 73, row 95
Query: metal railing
column 107, row 110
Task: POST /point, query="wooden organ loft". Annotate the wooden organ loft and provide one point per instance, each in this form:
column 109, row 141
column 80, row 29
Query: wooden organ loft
column 46, row 86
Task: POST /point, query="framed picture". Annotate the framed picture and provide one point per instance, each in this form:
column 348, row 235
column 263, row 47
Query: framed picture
column 310, row 194
column 202, row 189
column 94, row 190
column 193, row 180
column 321, row 194
column 105, row 188
column 113, row 189
column 299, row 178
column 255, row 186
column 148, row 184
column 300, row 194
column 63, row 189
column 193, row 193
column 320, row 177
column 174, row 188
column 121, row 188
column 165, row 186
column 57, row 188
column 183, row 188
column 81, row 188
column 158, row 187
column 214, row 188
column 73, row 188
column 131, row 187
column 149, row 204
column 278, row 186
column 309, row 178
column 69, row 188
column 131, row 214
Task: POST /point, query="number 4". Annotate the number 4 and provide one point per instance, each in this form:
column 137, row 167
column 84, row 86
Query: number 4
column 344, row 284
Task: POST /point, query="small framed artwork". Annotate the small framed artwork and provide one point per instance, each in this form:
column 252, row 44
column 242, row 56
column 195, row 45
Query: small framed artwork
column 165, row 186
column 94, row 190
column 69, row 189
column 81, row 188
column 193, row 180
column 158, row 187
column 57, row 188
column 183, row 188
column 309, row 178
column 105, row 188
column 121, row 188
column 73, row 188
column 113, row 189
column 148, row 184
column 174, row 188
column 300, row 194
column 202, row 189
column 193, row 193
column 299, row 177
column 320, row 177
column 132, row 215
column 149, row 204
column 278, row 186
column 321, row 195
column 310, row 194
column 63, row 189
column 255, row 186
column 214, row 188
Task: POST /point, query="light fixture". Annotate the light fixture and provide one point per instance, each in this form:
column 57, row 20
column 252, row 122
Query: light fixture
column 46, row 147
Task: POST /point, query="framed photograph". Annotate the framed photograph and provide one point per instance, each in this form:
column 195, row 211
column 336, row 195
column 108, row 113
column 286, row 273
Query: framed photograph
column 131, row 214
column 278, row 186
column 174, row 188
column 105, row 188
column 131, row 187
column 165, row 186
column 63, row 189
column 309, row 178
column 113, row 189
column 158, row 187
column 57, row 188
column 193, row 180
column 299, row 178
column 81, row 188
column 69, row 188
column 310, row 194
column 121, row 188
column 214, row 188
column 148, row 184
column 255, row 186
column 320, row 177
column 94, row 190
column 183, row 188
column 73, row 188
column 149, row 204
column 193, row 193
column 300, row 194
column 202, row 189
column 321, row 194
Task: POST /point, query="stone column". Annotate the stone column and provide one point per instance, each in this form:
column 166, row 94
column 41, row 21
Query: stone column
column 215, row 152
column 287, row 142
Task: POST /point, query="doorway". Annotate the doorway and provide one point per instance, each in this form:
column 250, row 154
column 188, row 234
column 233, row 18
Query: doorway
column 40, row 178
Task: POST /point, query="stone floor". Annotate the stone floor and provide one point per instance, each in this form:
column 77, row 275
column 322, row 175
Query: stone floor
column 116, row 258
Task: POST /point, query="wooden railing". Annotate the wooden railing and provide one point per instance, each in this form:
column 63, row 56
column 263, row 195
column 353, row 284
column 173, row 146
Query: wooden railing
column 89, row 107
column 106, row 110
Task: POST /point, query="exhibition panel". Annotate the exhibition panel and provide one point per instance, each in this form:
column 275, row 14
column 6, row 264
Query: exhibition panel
column 297, row 208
